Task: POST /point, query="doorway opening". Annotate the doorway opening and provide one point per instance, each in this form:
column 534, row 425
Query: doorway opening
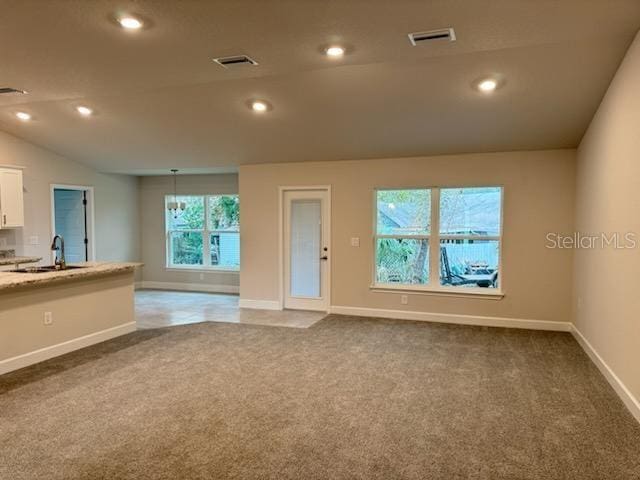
column 72, row 219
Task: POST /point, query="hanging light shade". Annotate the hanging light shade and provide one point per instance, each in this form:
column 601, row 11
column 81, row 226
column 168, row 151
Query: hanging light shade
column 174, row 207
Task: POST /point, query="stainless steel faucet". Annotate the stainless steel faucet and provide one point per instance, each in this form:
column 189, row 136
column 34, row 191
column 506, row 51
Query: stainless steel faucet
column 60, row 261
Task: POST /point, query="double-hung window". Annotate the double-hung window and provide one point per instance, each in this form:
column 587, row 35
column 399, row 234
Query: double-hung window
column 442, row 239
column 205, row 234
column 403, row 227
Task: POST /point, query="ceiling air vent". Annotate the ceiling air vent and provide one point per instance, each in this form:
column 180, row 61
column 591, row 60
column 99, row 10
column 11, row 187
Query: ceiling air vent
column 235, row 61
column 11, row 91
column 423, row 37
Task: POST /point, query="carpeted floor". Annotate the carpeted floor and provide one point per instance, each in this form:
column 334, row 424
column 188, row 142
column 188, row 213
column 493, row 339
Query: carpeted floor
column 345, row 399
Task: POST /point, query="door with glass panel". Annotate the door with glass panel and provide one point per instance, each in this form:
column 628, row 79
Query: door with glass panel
column 306, row 249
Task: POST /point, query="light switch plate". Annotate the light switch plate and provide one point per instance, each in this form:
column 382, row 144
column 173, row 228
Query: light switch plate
column 355, row 241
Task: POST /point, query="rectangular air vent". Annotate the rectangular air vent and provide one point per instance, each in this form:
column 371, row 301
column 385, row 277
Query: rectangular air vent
column 235, row 61
column 10, row 91
column 423, row 37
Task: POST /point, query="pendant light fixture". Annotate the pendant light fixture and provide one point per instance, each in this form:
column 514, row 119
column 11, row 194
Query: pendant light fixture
column 175, row 206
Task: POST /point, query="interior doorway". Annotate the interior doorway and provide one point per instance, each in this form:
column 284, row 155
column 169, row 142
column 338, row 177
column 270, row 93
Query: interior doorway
column 72, row 219
column 305, row 248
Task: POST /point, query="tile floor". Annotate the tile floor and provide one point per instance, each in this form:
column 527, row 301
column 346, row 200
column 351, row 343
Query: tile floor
column 160, row 308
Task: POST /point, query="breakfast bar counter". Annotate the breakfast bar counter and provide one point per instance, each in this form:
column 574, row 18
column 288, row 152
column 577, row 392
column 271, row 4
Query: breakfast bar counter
column 44, row 313
column 14, row 280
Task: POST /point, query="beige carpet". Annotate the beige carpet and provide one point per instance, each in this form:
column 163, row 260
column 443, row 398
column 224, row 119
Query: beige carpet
column 346, row 399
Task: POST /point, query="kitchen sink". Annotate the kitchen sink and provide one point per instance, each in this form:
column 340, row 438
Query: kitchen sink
column 46, row 269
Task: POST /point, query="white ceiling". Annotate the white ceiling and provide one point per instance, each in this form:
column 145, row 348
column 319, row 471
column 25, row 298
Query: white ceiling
column 161, row 102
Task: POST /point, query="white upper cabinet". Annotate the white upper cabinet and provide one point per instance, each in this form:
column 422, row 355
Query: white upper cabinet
column 11, row 198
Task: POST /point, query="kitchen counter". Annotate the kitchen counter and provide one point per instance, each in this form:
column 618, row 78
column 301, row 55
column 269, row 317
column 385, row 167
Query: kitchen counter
column 12, row 280
column 18, row 260
column 43, row 315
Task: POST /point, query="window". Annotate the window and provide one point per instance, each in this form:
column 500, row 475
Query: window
column 402, row 236
column 205, row 234
column 465, row 231
column 469, row 229
column 224, row 231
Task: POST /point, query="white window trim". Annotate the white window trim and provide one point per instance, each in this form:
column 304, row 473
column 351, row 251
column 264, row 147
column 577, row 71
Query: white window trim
column 201, row 268
column 206, row 232
column 433, row 287
column 489, row 293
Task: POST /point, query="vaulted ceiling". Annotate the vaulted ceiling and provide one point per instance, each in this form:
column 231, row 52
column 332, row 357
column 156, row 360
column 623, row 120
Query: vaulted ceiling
column 160, row 101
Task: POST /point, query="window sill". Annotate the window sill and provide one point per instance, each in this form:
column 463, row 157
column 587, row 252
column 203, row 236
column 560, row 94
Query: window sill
column 484, row 293
column 195, row 268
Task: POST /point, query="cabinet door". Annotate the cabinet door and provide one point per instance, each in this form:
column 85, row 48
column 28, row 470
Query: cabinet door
column 11, row 199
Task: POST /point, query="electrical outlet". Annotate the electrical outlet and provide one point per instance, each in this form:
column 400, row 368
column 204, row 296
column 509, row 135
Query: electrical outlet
column 579, row 302
column 34, row 240
column 48, row 318
column 202, row 276
column 3, row 242
column 404, row 299
column 355, row 241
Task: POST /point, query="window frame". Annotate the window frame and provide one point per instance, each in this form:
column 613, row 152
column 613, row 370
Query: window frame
column 433, row 286
column 206, row 232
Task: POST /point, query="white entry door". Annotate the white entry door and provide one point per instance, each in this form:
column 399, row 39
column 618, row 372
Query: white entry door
column 306, row 249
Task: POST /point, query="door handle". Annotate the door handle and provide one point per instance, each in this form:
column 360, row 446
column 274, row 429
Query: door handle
column 324, row 258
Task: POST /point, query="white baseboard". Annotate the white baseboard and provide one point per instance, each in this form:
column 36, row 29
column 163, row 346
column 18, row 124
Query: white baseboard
column 26, row 359
column 620, row 388
column 454, row 318
column 260, row 304
column 190, row 287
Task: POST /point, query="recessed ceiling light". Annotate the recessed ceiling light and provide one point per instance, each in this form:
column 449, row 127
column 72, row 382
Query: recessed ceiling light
column 335, row 51
column 488, row 85
column 84, row 111
column 24, row 116
column 259, row 106
column 130, row 23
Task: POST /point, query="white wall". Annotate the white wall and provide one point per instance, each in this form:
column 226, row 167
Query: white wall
column 607, row 280
column 85, row 312
column 538, row 198
column 117, row 232
column 152, row 217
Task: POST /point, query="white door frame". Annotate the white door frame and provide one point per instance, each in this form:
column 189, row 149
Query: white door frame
column 90, row 216
column 281, row 280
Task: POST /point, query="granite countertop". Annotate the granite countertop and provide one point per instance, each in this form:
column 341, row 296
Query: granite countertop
column 20, row 260
column 10, row 280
